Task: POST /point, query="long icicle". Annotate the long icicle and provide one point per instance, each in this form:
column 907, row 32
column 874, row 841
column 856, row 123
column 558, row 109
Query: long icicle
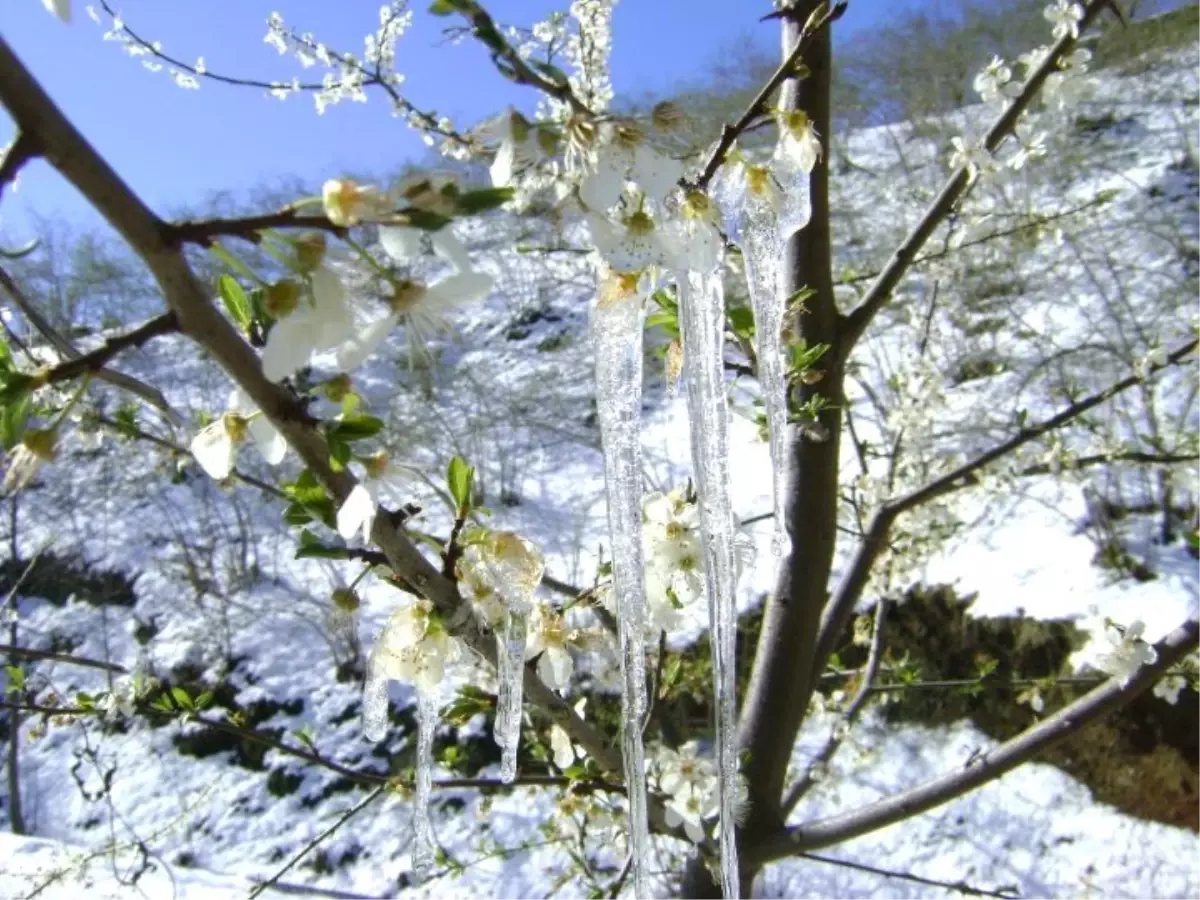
column 510, row 671
column 616, row 326
column 762, row 250
column 423, row 851
column 702, row 312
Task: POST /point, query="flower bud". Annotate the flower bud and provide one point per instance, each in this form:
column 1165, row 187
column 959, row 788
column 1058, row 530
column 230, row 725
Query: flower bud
column 376, row 464
column 281, row 298
column 346, row 600
column 666, row 116
column 337, row 387
column 310, row 252
column 42, row 443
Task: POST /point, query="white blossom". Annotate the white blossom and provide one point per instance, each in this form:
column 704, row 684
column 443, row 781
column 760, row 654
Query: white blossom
column 1120, row 653
column 619, row 153
column 414, row 647
column 1065, row 17
column 215, row 445
column 549, row 637
column 321, row 321
column 382, row 478
column 1169, row 688
column 971, row 154
column 995, row 81
column 630, row 244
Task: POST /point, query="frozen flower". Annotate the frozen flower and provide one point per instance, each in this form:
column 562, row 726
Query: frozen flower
column 37, row 448
column 632, row 244
column 216, row 444
column 477, row 588
column 505, row 563
column 619, row 153
column 1168, row 688
column 347, row 202
column 995, row 81
column 749, row 186
column 690, row 811
column 382, row 477
column 60, row 8
column 684, row 771
column 548, row 636
column 414, row 648
column 799, row 144
column 404, row 244
column 1121, row 653
column 1065, row 17
column 695, row 240
column 321, row 320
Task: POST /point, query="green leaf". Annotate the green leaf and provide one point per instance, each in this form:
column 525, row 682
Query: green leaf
column 339, row 454
column 668, row 319
column 296, row 514
column 181, row 698
column 16, row 679
column 741, row 321
column 355, row 428
column 443, row 8
column 311, row 547
column 484, row 199
column 235, row 301
column 13, row 417
column 204, row 700
column 458, row 478
column 423, row 219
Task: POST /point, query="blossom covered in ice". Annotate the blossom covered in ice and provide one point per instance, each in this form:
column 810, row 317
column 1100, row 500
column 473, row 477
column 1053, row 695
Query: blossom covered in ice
column 549, row 638
column 414, row 648
column 216, row 444
column 799, row 144
column 620, row 153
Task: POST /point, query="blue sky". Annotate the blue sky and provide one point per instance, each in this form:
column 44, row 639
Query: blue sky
column 176, row 146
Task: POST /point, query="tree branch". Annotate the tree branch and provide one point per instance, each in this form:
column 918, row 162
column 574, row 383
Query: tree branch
column 204, row 231
column 67, row 349
column 94, row 361
column 837, row 614
column 903, row 257
column 787, row 69
column 69, row 152
column 1006, row 892
column 1098, row 703
column 22, row 149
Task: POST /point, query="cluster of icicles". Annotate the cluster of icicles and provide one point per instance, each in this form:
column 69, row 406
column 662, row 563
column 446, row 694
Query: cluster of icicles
column 761, row 229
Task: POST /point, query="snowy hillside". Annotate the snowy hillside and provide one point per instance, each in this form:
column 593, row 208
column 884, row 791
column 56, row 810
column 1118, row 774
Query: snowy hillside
column 202, row 588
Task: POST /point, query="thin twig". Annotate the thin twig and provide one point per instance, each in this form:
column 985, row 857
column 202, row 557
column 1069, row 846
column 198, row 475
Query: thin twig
column 957, row 185
column 22, row 149
column 328, row 832
column 1005, row 892
column 94, row 361
column 83, row 661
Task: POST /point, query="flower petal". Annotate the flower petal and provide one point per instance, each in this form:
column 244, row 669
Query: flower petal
column 447, row 245
column 213, row 449
column 656, row 174
column 354, row 352
column 400, row 242
column 358, row 512
column 267, row 439
column 289, row 347
column 602, row 187
column 458, row 290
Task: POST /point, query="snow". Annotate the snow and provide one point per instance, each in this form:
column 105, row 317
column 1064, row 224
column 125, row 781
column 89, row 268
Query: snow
column 217, row 580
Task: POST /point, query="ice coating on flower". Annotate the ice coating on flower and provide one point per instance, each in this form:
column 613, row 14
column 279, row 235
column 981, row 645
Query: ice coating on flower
column 616, row 331
column 548, row 636
column 512, row 567
column 799, row 144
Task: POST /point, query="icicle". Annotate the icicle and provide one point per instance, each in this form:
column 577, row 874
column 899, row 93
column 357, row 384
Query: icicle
column 515, row 567
column 762, row 250
column 510, row 668
column 375, row 701
column 616, row 326
column 423, row 843
column 702, row 315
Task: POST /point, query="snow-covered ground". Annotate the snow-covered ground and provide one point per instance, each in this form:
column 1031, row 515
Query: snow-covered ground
column 216, row 583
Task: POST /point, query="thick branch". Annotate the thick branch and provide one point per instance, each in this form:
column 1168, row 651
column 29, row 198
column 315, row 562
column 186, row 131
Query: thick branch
column 1106, row 699
column 904, row 255
column 837, row 614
